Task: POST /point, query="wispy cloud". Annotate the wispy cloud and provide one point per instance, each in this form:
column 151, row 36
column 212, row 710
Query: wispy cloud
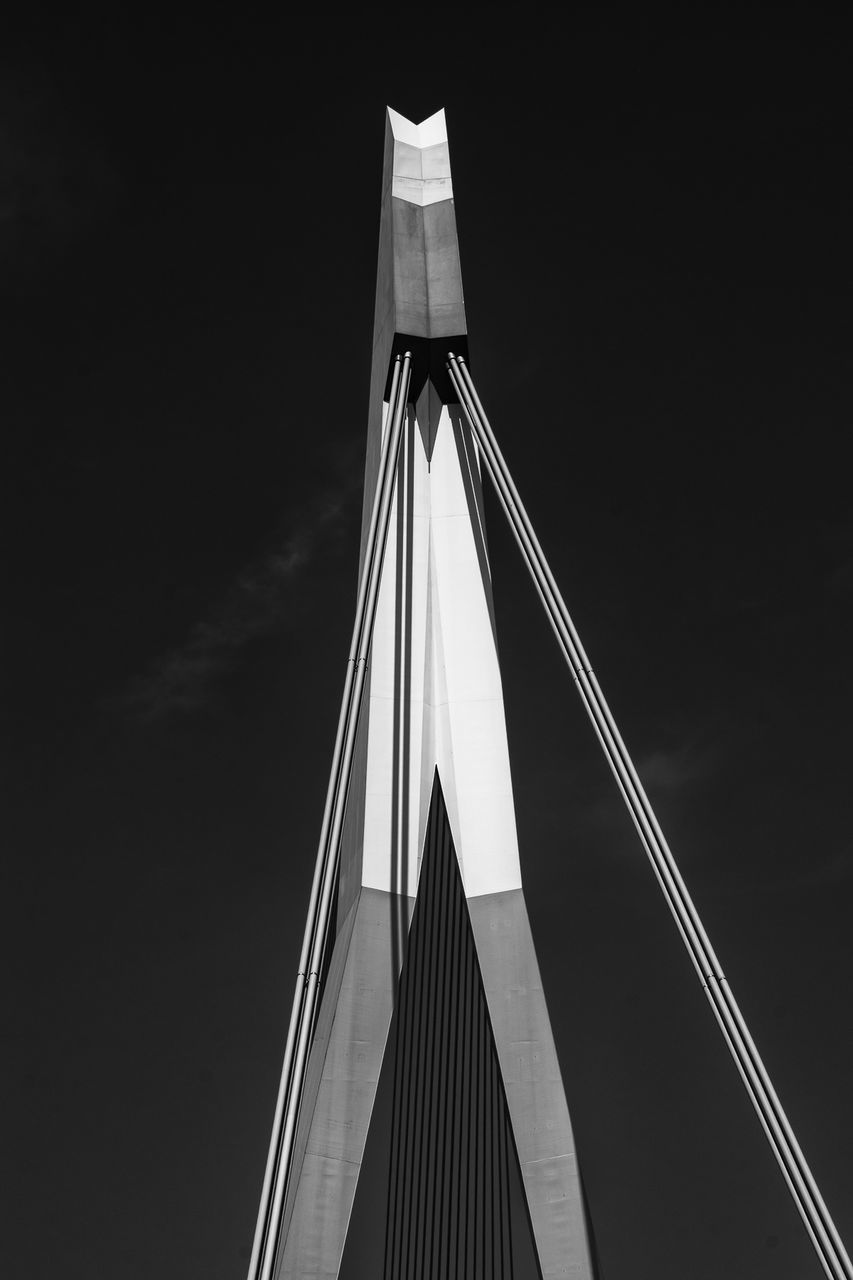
column 182, row 680
column 672, row 769
column 668, row 772
column 55, row 176
column 828, row 871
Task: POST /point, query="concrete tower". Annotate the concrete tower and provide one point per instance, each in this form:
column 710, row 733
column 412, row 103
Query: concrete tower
column 417, row 917
column 430, row 803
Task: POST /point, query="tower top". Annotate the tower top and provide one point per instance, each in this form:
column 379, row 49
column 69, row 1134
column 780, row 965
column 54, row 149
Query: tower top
column 428, row 133
column 420, row 165
column 419, row 303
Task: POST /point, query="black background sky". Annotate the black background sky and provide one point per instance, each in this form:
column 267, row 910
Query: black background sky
column 656, row 248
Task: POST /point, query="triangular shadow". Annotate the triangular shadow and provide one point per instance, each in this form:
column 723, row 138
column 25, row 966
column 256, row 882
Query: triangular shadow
column 440, row 1191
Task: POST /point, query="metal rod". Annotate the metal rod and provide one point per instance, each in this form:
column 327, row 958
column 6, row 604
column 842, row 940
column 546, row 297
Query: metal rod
column 707, row 969
column 273, row 1156
column 715, row 969
column 797, row 1174
column 329, row 868
column 709, row 979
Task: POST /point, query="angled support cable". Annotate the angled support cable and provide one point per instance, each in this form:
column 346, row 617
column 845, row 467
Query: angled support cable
column 315, row 938
column 800, row 1181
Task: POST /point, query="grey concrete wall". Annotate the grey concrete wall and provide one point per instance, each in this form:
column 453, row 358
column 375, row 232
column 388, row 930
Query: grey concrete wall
column 533, row 1082
column 347, row 1057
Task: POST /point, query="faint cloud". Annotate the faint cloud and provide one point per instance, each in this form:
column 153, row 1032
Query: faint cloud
column 54, row 175
column 836, row 543
column 832, row 870
column 181, row 681
column 839, row 581
column 674, row 768
column 839, row 578
column 663, row 771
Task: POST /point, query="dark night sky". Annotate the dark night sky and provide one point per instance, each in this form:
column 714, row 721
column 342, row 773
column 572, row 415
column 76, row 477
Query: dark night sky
column 656, row 247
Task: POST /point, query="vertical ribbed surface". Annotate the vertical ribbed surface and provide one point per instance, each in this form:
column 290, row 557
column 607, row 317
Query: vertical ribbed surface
column 448, row 1193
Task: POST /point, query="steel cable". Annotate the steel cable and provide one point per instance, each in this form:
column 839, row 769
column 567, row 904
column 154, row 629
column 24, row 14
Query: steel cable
column 798, row 1177
column 325, row 871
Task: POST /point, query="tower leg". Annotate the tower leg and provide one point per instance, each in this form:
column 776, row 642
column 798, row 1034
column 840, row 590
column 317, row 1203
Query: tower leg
column 343, row 1075
column 538, row 1111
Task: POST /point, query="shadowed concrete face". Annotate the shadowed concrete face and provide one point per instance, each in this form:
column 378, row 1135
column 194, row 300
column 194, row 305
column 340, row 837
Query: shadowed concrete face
column 444, row 1196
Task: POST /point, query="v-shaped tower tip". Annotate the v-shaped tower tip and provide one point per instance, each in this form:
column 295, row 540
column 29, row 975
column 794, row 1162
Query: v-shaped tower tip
column 428, row 133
